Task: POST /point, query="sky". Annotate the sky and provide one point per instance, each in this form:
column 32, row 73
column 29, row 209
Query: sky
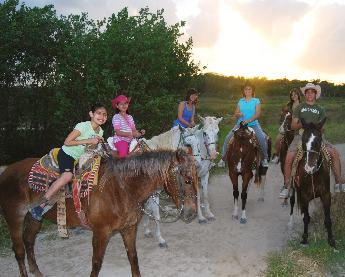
column 294, row 39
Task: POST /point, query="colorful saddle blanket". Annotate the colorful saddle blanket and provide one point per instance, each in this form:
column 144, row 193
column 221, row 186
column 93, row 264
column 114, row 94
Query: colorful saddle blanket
column 45, row 171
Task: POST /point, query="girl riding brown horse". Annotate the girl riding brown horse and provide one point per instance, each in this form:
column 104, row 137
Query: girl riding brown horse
column 115, row 204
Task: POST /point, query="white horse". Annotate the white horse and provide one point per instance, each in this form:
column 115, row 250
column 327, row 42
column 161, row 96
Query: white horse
column 208, row 138
column 176, row 137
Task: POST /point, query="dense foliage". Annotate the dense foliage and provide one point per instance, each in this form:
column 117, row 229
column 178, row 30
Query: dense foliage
column 53, row 68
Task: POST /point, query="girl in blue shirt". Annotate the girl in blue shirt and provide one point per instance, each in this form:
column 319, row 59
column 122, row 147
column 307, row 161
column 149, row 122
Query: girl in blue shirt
column 186, row 110
column 248, row 111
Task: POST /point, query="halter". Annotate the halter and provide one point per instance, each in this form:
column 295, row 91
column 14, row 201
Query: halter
column 204, row 134
column 184, row 143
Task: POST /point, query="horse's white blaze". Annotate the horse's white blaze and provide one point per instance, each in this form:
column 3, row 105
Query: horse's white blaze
column 239, row 164
column 309, row 144
column 290, row 224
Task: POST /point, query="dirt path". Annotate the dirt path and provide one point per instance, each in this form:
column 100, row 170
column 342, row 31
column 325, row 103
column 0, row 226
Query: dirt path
column 221, row 248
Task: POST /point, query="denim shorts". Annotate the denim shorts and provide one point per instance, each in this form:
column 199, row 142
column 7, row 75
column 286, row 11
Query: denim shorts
column 66, row 162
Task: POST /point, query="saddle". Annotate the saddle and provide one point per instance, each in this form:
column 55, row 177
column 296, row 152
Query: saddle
column 45, row 171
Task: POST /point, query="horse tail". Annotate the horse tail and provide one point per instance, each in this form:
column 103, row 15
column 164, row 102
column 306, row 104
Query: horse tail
column 269, row 148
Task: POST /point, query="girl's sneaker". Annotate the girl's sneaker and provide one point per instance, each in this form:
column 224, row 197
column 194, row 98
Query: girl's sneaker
column 37, row 212
column 284, row 192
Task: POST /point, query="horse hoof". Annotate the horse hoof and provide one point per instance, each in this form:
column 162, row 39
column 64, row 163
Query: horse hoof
column 235, row 217
column 148, row 235
column 331, row 242
column 202, row 221
column 304, row 243
column 261, row 199
column 163, row 245
column 243, row 220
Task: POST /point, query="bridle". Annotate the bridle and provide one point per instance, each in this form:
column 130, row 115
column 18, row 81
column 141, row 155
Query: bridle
column 173, row 171
column 207, row 144
column 183, row 142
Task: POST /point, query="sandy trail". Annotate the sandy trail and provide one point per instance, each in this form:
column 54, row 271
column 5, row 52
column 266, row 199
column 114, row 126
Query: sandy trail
column 220, row 248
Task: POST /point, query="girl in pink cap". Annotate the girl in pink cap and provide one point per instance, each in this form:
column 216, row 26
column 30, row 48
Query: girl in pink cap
column 124, row 126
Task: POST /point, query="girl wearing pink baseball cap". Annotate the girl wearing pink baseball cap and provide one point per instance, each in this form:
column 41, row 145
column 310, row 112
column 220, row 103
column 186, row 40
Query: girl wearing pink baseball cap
column 124, row 126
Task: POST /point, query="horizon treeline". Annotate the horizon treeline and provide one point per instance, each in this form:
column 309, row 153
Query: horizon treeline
column 54, row 68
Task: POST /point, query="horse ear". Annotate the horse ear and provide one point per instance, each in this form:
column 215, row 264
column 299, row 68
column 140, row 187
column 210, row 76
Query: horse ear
column 219, row 119
column 321, row 123
column 304, row 124
column 202, row 119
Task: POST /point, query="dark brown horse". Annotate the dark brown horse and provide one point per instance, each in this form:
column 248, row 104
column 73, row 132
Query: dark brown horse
column 287, row 137
column 313, row 178
column 115, row 205
column 242, row 155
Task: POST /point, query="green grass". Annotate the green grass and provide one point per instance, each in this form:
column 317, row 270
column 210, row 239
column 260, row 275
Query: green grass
column 5, row 241
column 318, row 257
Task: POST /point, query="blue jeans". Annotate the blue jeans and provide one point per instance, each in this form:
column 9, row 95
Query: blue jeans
column 260, row 135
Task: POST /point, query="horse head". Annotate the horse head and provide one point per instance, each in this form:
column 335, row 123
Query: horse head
column 285, row 121
column 244, row 133
column 210, row 131
column 188, row 138
column 184, row 195
column 311, row 145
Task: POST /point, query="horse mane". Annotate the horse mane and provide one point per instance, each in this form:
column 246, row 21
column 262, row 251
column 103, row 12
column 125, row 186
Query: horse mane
column 165, row 140
column 153, row 164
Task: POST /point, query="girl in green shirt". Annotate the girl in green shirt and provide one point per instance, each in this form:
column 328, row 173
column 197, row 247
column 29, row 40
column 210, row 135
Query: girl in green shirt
column 89, row 132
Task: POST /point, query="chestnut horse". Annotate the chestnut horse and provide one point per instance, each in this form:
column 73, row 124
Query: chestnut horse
column 115, row 204
column 313, row 178
column 242, row 154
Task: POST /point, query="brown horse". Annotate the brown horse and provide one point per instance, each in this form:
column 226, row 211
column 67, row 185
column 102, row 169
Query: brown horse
column 115, row 204
column 287, row 137
column 243, row 153
column 313, row 178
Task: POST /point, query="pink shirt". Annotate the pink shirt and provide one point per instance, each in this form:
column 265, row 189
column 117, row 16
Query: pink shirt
column 124, row 125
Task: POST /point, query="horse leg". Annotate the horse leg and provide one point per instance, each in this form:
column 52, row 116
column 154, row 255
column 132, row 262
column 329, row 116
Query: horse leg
column 306, row 220
column 32, row 229
column 146, row 219
column 201, row 218
column 16, row 225
column 235, row 193
column 129, row 236
column 204, row 186
column 154, row 203
column 292, row 204
column 100, row 241
column 326, row 202
column 262, row 182
column 246, row 179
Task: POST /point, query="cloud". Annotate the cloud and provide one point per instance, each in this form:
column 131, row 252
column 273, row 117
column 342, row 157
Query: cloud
column 100, row 9
column 204, row 27
column 272, row 19
column 325, row 49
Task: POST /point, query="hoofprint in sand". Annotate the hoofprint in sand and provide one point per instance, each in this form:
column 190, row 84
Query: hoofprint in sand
column 221, row 248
